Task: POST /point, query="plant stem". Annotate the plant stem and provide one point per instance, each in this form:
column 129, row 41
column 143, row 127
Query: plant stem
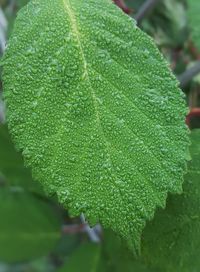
column 195, row 112
column 122, row 5
column 186, row 76
column 147, row 7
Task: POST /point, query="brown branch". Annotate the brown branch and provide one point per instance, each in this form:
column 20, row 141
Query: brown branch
column 123, row 6
column 195, row 112
column 71, row 229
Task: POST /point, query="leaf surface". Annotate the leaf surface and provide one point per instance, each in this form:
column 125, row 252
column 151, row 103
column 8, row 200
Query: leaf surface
column 96, row 111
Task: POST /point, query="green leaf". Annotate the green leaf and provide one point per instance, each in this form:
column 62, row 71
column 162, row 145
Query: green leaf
column 85, row 259
column 116, row 257
column 12, row 165
column 29, row 228
column 194, row 20
column 171, row 242
column 96, row 111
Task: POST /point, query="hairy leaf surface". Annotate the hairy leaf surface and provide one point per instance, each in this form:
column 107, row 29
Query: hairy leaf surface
column 171, row 241
column 96, row 111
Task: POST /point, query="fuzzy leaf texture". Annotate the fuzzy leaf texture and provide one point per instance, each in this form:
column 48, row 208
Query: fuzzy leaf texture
column 194, row 19
column 171, row 241
column 96, row 111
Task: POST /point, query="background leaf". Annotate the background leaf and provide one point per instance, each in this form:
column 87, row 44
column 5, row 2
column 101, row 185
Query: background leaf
column 29, row 228
column 171, row 241
column 86, row 258
column 27, row 222
column 116, row 257
column 194, row 20
column 12, row 165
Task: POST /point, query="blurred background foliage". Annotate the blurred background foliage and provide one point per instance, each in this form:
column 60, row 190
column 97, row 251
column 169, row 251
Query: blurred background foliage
column 36, row 234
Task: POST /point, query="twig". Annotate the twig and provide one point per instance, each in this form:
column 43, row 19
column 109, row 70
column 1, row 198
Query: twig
column 73, row 229
column 93, row 233
column 189, row 74
column 147, row 7
column 195, row 112
column 122, row 5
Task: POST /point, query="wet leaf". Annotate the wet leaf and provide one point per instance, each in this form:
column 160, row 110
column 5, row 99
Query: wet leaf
column 96, row 111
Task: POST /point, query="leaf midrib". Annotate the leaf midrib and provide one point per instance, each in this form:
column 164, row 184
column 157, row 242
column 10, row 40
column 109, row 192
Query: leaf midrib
column 75, row 31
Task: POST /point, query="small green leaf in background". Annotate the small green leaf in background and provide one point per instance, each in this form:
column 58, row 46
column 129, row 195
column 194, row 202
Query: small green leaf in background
column 194, row 20
column 12, row 165
column 96, row 111
column 84, row 259
column 117, row 258
column 171, row 241
column 29, row 227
